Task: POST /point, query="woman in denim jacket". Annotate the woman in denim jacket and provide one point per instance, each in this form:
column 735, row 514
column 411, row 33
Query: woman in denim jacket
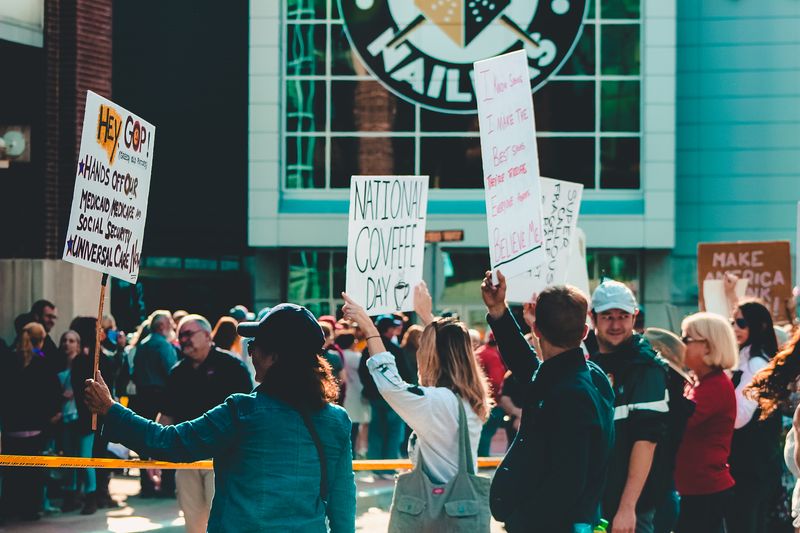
column 266, row 461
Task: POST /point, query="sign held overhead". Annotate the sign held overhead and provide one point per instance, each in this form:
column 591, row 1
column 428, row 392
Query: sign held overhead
column 109, row 203
column 386, row 241
column 510, row 163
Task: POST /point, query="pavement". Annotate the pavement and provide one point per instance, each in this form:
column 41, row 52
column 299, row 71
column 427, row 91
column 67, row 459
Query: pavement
column 135, row 514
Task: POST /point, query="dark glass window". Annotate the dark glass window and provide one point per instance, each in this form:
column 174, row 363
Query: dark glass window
column 305, row 50
column 435, row 121
column 305, row 162
column 565, row 106
column 370, row 156
column 581, row 62
column 306, row 9
column 619, row 106
column 619, row 163
column 620, row 49
column 344, row 61
column 570, row 159
column 305, row 106
column 620, row 9
column 366, row 105
column 452, row 162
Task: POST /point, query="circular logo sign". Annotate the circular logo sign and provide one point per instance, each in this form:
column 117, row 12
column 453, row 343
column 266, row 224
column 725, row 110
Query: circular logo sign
column 423, row 50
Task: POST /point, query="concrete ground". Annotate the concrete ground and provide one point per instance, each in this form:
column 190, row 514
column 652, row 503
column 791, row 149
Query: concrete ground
column 374, row 496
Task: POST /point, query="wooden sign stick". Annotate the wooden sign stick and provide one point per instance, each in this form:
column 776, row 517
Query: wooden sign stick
column 97, row 333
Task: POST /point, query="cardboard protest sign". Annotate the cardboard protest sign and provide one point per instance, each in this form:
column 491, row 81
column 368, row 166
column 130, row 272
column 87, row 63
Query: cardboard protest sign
column 510, row 163
column 561, row 201
column 386, row 241
column 109, row 205
column 766, row 266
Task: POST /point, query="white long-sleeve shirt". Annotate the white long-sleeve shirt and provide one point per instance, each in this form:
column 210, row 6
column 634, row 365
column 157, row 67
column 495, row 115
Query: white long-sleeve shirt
column 749, row 366
column 432, row 412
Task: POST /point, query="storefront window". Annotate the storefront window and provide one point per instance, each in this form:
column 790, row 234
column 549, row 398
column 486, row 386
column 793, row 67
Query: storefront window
column 316, row 279
column 339, row 120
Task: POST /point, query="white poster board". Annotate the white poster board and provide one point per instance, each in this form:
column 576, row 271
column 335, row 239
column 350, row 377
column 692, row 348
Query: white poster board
column 109, row 204
column 510, row 163
column 386, row 241
column 561, row 201
column 715, row 299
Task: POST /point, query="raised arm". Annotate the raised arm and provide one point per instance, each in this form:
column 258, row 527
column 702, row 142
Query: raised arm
column 202, row 438
column 517, row 354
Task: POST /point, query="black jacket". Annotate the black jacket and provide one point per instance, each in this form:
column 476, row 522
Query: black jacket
column 641, row 413
column 552, row 477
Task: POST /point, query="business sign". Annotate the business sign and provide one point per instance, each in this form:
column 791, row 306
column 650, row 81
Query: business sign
column 386, row 241
column 561, row 202
column 109, row 203
column 510, row 164
column 767, row 267
column 424, row 50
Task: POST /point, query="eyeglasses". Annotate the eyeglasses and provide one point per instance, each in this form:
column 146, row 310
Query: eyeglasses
column 740, row 323
column 186, row 335
column 687, row 339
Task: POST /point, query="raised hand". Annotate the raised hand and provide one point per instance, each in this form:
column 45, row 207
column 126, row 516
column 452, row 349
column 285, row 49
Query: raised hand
column 423, row 303
column 494, row 296
column 97, row 396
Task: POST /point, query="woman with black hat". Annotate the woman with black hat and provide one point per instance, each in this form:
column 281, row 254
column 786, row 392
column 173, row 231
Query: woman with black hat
column 282, row 457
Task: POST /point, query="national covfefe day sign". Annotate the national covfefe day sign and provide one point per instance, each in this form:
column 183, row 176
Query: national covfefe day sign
column 767, row 267
column 109, row 205
column 510, row 163
column 561, row 202
column 386, row 241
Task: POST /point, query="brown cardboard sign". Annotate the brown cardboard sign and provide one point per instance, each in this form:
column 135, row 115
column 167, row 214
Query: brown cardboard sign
column 767, row 266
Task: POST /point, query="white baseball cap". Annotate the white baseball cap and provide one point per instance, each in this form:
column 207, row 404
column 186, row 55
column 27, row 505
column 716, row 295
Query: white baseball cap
column 613, row 295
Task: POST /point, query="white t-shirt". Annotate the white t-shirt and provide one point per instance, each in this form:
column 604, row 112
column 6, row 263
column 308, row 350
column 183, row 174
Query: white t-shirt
column 745, row 407
column 432, row 412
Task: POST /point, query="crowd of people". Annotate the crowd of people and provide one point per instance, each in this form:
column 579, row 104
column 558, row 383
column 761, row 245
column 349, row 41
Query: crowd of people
column 608, row 424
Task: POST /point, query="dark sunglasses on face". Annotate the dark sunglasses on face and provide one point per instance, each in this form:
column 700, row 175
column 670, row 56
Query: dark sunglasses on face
column 687, row 339
column 740, row 323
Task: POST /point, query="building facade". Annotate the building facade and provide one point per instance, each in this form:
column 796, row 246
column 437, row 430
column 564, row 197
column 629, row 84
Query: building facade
column 680, row 118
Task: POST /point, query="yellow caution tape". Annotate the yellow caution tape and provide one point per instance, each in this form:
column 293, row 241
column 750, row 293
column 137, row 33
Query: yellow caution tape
column 55, row 461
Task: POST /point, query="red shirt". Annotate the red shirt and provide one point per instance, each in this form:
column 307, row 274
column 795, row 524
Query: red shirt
column 702, row 462
column 493, row 366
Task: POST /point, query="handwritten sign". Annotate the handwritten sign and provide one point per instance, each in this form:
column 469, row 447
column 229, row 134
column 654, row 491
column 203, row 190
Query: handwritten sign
column 510, row 163
column 561, row 201
column 386, row 241
column 109, row 204
column 767, row 267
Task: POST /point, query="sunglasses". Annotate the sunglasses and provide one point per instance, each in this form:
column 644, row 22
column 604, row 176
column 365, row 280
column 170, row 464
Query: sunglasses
column 740, row 323
column 687, row 339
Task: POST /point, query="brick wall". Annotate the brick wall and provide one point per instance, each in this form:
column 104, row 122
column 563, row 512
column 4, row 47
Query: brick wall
column 78, row 51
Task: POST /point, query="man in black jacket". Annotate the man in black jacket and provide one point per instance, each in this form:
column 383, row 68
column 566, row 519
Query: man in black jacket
column 639, row 473
column 552, row 478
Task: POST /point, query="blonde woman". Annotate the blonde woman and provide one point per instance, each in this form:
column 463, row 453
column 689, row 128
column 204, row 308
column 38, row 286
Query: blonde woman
column 702, row 474
column 448, row 373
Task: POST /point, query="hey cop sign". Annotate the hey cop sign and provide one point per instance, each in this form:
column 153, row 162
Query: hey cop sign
column 423, row 50
column 386, row 241
column 109, row 205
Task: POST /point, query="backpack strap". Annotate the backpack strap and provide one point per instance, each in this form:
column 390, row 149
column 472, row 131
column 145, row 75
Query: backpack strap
column 323, row 470
column 464, row 446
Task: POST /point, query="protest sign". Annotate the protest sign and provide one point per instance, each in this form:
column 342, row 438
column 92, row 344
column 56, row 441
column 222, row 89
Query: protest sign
column 715, row 299
column 561, row 201
column 510, row 163
column 766, row 266
column 386, row 241
column 109, row 204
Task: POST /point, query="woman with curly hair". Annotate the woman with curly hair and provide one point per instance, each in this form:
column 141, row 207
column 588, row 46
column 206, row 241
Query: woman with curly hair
column 755, row 458
column 772, row 388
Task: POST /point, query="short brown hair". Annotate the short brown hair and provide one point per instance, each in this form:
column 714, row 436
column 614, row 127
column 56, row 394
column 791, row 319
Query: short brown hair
column 561, row 315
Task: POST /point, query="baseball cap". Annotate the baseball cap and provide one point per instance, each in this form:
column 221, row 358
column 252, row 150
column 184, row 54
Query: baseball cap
column 387, row 321
column 286, row 327
column 613, row 295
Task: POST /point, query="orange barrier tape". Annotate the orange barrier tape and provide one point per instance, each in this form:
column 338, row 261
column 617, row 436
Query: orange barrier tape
column 55, row 461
